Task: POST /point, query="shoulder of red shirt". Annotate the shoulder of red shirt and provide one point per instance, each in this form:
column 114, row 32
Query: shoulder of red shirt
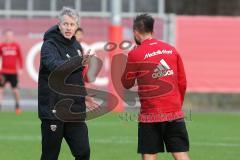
column 140, row 48
column 12, row 44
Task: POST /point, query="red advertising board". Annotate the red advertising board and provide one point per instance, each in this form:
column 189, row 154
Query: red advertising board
column 208, row 45
column 211, row 52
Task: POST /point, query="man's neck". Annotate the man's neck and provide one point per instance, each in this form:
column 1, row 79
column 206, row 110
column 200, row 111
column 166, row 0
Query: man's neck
column 146, row 36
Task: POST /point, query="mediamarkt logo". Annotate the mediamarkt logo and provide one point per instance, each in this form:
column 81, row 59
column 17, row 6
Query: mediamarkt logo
column 158, row 52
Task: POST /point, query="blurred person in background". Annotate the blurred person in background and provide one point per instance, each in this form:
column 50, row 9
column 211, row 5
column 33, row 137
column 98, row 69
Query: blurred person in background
column 11, row 66
column 79, row 38
column 154, row 63
column 79, row 34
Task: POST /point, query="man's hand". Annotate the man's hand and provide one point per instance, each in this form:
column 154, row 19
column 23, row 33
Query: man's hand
column 87, row 57
column 90, row 103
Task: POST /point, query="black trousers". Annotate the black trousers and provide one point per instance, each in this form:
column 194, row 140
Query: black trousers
column 75, row 134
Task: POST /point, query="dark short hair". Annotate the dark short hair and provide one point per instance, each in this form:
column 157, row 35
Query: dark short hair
column 143, row 23
column 79, row 29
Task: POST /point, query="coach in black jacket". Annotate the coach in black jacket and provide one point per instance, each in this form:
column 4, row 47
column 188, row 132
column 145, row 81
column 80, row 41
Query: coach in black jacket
column 58, row 47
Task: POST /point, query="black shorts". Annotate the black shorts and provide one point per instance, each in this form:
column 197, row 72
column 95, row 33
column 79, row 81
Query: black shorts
column 11, row 78
column 153, row 136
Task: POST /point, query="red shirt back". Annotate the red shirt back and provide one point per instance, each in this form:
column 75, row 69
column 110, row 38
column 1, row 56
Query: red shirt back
column 161, row 80
column 11, row 58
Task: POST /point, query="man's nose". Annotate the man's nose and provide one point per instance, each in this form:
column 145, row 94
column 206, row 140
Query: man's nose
column 68, row 27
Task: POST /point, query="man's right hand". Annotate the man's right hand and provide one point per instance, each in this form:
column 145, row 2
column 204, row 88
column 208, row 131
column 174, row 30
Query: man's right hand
column 87, row 57
column 91, row 103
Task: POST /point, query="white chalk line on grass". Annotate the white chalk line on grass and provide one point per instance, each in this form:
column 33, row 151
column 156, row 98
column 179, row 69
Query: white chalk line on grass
column 19, row 138
column 231, row 138
column 214, row 144
column 111, row 140
column 35, row 123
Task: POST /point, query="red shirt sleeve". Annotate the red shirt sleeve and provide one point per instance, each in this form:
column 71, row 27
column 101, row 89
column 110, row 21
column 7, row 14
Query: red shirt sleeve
column 19, row 57
column 0, row 58
column 182, row 82
column 84, row 74
column 130, row 73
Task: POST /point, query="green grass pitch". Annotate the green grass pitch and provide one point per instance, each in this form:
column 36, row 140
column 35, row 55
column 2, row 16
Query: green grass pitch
column 213, row 136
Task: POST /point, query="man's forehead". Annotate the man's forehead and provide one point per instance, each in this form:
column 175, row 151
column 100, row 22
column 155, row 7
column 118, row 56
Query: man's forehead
column 69, row 19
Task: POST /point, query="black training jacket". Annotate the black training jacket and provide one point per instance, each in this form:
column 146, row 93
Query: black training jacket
column 55, row 51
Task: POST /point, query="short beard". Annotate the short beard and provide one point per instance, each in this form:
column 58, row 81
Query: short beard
column 137, row 41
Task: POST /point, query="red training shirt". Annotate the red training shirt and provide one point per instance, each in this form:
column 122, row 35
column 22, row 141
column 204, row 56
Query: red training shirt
column 161, row 80
column 11, row 58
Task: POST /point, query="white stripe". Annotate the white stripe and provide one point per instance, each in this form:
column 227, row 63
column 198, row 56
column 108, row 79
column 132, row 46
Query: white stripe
column 214, row 144
column 164, row 63
column 20, row 138
column 111, row 140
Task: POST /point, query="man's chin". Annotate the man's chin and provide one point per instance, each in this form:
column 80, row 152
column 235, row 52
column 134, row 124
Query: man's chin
column 68, row 37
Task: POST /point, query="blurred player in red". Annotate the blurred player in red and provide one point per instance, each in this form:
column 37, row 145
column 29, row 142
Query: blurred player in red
column 11, row 66
column 158, row 69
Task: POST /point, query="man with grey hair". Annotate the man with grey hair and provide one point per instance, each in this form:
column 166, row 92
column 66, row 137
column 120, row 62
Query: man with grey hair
column 59, row 47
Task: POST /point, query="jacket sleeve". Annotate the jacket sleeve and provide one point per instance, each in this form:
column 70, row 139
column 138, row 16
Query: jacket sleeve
column 130, row 73
column 182, row 82
column 50, row 56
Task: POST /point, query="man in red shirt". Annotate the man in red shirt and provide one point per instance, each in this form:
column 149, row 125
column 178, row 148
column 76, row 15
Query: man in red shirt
column 161, row 82
column 11, row 65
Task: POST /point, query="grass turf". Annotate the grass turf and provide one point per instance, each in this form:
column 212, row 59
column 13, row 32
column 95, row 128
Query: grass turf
column 213, row 136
